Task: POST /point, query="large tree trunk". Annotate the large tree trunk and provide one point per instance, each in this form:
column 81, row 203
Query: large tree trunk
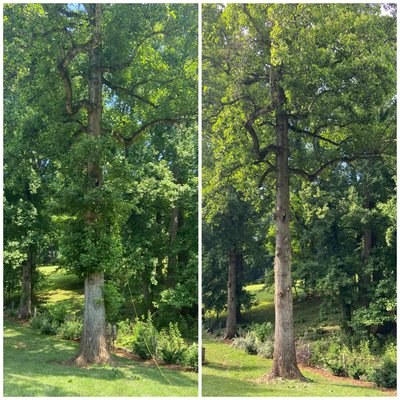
column 231, row 305
column 93, row 346
column 284, row 358
column 25, row 304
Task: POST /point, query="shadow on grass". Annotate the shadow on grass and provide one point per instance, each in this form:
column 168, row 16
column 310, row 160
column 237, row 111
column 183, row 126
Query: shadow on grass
column 18, row 388
column 32, row 361
column 223, row 367
column 223, row 386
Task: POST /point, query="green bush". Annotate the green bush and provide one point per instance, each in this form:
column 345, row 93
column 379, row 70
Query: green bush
column 334, row 359
column 125, row 337
column 57, row 313
column 264, row 331
column 360, row 362
column 145, row 339
column 70, row 329
column 385, row 375
column 249, row 342
column 113, row 301
column 44, row 324
column 172, row 347
column 266, row 349
column 191, row 357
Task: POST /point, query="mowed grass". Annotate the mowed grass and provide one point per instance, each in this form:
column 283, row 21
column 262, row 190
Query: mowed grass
column 306, row 312
column 60, row 287
column 230, row 372
column 33, row 367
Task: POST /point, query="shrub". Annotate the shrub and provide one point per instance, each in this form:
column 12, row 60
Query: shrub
column 264, row 331
column 385, row 374
column 334, row 359
column 57, row 313
column 360, row 362
column 125, row 337
column 249, row 342
column 43, row 324
column 191, row 357
column 266, row 349
column 303, row 353
column 113, row 301
column 172, row 347
column 71, row 329
column 145, row 339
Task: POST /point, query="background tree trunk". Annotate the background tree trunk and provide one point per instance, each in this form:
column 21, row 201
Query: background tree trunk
column 94, row 347
column 25, row 304
column 172, row 255
column 231, row 304
column 284, row 359
column 239, row 286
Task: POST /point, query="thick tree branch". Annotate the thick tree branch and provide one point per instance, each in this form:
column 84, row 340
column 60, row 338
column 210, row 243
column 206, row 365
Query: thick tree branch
column 135, row 136
column 128, row 92
column 312, row 176
column 63, row 68
column 272, row 168
column 71, row 110
column 312, row 134
column 260, row 153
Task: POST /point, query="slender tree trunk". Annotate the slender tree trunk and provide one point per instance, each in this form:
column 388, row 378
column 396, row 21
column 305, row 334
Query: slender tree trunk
column 93, row 345
column 25, row 305
column 284, row 359
column 172, row 255
column 239, row 286
column 231, row 305
column 364, row 281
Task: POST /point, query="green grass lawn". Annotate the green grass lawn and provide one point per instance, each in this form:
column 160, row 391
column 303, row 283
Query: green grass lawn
column 306, row 312
column 60, row 286
column 32, row 367
column 232, row 372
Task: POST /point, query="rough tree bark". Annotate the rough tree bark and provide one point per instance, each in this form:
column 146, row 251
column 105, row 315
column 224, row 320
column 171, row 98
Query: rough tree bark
column 172, row 255
column 93, row 345
column 239, row 286
column 284, row 358
column 25, row 304
column 231, row 304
